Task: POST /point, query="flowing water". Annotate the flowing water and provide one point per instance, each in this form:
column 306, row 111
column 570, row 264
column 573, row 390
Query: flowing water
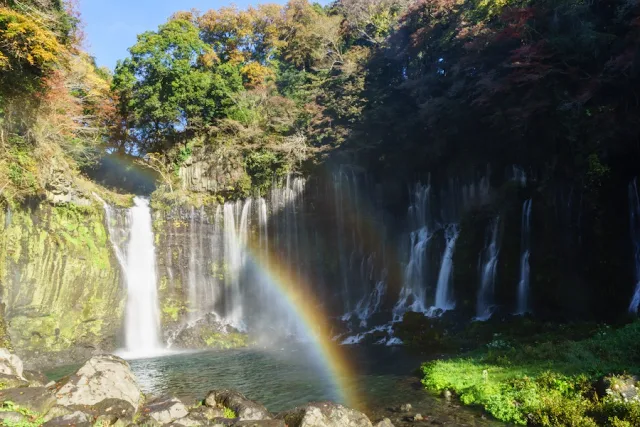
column 634, row 216
column 525, row 252
column 488, row 266
column 413, row 296
column 444, row 296
column 132, row 237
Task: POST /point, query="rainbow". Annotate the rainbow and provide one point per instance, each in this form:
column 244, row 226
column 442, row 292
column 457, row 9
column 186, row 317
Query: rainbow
column 310, row 314
column 281, row 281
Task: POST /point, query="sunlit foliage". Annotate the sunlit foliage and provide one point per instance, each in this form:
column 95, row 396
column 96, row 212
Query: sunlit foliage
column 55, row 104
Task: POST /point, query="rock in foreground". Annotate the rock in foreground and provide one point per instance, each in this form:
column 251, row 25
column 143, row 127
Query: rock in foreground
column 245, row 409
column 102, row 377
column 104, row 392
column 324, row 414
column 10, row 364
column 35, row 399
column 165, row 410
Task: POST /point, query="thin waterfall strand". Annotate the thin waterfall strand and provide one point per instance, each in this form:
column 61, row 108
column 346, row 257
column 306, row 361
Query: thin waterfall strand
column 444, row 294
column 525, row 252
column 413, row 293
column 634, row 216
column 488, row 267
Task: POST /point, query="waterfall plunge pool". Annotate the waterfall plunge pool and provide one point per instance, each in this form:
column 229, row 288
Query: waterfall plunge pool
column 284, row 378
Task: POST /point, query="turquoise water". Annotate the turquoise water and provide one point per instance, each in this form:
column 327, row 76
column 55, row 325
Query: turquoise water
column 282, row 379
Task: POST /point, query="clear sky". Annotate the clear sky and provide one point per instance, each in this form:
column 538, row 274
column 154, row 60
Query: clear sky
column 111, row 26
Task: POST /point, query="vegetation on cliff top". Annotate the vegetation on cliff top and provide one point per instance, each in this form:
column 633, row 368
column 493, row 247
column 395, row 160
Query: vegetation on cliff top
column 272, row 85
column 262, row 76
column 548, row 379
column 55, row 104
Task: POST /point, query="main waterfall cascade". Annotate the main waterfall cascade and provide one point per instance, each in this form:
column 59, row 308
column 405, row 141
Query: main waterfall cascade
column 487, row 267
column 634, row 217
column 131, row 234
column 525, row 252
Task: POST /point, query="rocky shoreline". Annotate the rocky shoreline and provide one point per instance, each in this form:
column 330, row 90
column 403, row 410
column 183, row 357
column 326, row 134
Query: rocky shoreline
column 104, row 392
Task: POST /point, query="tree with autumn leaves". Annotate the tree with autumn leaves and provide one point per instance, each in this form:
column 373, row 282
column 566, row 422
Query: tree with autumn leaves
column 258, row 78
column 55, row 104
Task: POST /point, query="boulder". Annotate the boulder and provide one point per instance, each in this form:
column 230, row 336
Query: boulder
column 620, row 388
column 36, row 399
column 165, row 409
column 109, row 411
column 12, row 418
column 261, row 423
column 76, row 419
column 10, row 364
column 209, row 331
column 36, row 378
column 102, row 377
column 189, row 421
column 386, row 422
column 57, row 411
column 406, row 407
column 12, row 381
column 324, row 414
column 245, row 409
column 147, row 422
column 207, row 412
column 198, row 417
column 223, row 422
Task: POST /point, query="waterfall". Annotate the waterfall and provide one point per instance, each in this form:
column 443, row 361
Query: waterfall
column 488, row 267
column 193, row 272
column 117, row 235
column 203, row 264
column 340, row 226
column 413, row 292
column 518, row 175
column 634, row 216
column 236, row 236
column 142, row 325
column 444, row 297
column 525, row 252
column 359, row 233
column 138, row 262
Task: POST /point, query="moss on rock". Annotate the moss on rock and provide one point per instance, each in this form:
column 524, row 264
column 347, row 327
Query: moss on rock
column 61, row 282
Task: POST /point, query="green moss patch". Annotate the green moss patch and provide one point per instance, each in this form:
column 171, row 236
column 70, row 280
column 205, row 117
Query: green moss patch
column 544, row 381
column 225, row 341
column 32, row 419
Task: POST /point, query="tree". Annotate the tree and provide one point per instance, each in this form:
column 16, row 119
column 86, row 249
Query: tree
column 28, row 50
column 373, row 20
column 170, row 85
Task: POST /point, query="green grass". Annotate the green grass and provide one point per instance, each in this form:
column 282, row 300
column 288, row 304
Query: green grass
column 545, row 380
column 229, row 413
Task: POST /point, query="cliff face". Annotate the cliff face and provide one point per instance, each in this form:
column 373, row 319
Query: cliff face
column 344, row 238
column 60, row 283
column 213, row 170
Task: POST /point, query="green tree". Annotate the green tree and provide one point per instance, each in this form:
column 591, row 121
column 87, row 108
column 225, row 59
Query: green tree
column 170, row 86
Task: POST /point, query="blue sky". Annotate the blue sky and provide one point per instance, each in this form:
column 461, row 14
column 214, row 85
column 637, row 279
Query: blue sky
column 111, row 26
